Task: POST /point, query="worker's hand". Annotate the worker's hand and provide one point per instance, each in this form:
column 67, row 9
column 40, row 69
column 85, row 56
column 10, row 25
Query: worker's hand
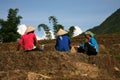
column 75, row 46
column 89, row 43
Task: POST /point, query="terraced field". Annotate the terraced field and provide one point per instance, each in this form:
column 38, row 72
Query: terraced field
column 53, row 65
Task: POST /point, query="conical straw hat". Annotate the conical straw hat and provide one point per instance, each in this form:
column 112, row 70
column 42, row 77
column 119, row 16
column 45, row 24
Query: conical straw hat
column 29, row 29
column 61, row 32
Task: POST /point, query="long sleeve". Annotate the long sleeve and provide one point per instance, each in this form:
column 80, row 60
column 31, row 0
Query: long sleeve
column 94, row 43
column 19, row 44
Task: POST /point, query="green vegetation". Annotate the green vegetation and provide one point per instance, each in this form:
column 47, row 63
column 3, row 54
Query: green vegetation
column 53, row 20
column 47, row 30
column 71, row 31
column 56, row 27
column 110, row 25
column 8, row 28
column 117, row 57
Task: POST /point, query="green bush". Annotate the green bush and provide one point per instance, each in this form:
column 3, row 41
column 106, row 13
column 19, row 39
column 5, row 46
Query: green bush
column 117, row 57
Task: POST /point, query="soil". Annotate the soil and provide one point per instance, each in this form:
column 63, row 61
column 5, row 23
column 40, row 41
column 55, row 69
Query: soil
column 53, row 65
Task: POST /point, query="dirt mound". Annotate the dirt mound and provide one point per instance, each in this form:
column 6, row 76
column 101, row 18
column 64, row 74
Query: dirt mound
column 49, row 64
column 52, row 65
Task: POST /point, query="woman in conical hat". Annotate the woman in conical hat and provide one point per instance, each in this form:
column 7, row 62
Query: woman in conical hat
column 90, row 47
column 61, row 32
column 28, row 40
column 62, row 41
column 30, row 29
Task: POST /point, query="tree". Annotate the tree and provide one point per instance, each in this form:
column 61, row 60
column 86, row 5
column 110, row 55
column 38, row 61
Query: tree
column 56, row 27
column 54, row 22
column 8, row 28
column 46, row 29
column 71, row 31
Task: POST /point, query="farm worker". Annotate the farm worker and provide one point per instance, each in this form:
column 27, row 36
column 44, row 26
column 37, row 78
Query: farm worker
column 90, row 47
column 28, row 40
column 62, row 41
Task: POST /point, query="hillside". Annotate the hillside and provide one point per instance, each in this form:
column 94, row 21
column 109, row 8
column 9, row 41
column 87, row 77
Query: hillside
column 110, row 25
column 53, row 65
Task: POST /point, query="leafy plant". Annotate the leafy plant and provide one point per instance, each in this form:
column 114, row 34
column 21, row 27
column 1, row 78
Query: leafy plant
column 71, row 31
column 117, row 57
column 8, row 28
column 47, row 30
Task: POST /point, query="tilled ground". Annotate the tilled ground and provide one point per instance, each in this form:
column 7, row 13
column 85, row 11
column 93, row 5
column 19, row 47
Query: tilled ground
column 53, row 65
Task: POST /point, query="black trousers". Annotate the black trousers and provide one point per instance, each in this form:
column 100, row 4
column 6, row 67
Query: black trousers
column 89, row 50
column 36, row 49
